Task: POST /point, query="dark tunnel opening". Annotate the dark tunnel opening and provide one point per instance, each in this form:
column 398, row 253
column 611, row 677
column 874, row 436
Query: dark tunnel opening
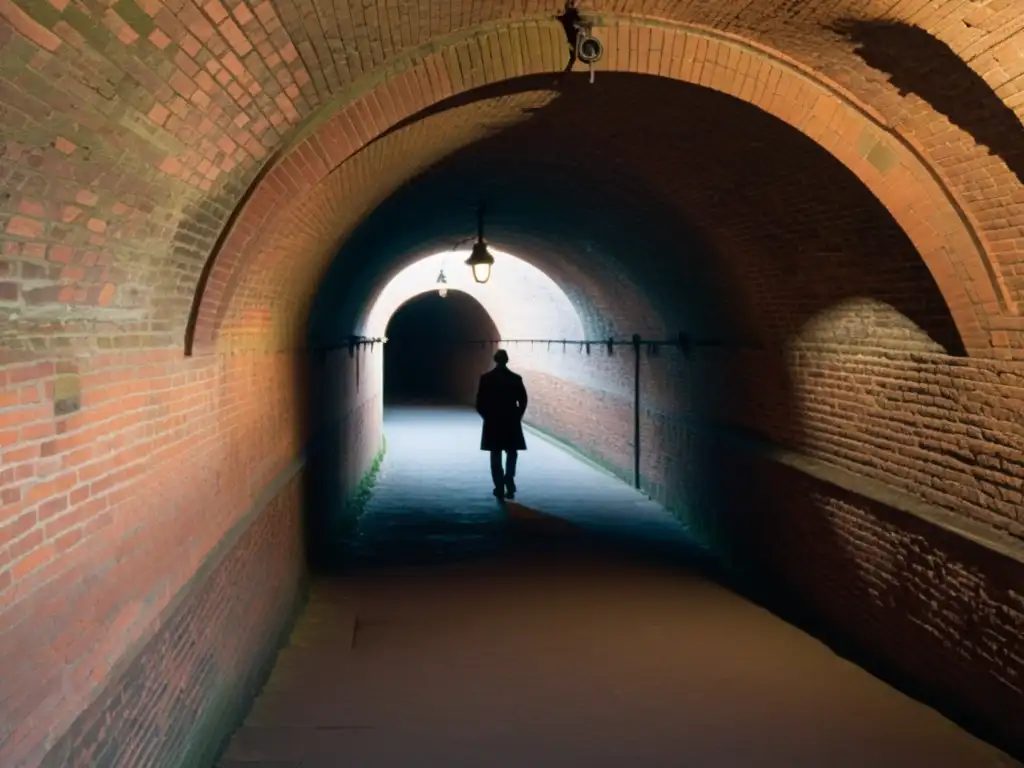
column 739, row 281
column 791, row 297
column 644, row 246
column 436, row 349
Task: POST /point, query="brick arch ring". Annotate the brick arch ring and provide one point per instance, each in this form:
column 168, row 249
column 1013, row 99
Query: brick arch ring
column 897, row 174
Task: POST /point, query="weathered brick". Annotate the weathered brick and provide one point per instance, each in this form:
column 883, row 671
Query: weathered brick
column 851, row 383
column 35, row 24
column 20, row 226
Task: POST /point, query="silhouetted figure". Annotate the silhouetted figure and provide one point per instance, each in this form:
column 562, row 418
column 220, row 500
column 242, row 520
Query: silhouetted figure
column 571, row 21
column 501, row 402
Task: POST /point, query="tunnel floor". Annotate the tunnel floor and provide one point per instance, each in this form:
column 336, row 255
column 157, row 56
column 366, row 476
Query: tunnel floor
column 563, row 629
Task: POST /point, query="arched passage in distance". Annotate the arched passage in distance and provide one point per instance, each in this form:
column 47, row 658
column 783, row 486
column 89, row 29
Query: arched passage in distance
column 520, row 301
column 437, row 347
column 349, row 385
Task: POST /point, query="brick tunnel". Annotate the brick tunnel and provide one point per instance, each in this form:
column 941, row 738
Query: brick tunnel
column 810, row 215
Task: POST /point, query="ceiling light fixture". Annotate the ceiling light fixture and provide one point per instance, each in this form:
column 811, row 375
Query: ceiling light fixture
column 480, row 260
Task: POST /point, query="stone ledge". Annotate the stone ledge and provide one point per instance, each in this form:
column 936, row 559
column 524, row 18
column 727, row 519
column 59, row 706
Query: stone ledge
column 899, row 500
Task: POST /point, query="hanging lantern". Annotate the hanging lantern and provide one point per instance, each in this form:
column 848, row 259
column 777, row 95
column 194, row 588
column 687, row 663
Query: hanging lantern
column 480, row 260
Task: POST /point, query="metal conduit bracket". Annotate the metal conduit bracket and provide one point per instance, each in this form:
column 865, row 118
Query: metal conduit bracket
column 636, row 410
column 683, row 342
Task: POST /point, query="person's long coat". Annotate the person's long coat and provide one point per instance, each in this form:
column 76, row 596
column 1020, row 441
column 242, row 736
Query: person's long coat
column 501, row 402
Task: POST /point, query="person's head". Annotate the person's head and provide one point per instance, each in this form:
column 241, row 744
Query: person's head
column 501, row 357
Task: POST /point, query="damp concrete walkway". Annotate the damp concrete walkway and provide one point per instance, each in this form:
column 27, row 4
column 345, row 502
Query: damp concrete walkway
column 468, row 634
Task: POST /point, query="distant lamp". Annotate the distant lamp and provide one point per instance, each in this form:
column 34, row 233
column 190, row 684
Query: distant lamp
column 480, row 260
column 442, row 281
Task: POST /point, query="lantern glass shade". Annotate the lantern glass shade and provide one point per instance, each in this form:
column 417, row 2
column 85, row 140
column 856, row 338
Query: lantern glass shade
column 482, row 273
column 481, row 262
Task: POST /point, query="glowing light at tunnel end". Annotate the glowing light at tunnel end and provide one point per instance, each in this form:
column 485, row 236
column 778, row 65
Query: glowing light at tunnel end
column 529, row 304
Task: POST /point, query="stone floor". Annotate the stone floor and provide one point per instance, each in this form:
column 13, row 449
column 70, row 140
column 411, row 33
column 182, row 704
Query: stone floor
column 467, row 633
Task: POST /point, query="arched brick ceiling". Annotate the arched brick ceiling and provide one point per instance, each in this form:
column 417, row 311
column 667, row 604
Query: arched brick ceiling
column 148, row 120
column 665, row 206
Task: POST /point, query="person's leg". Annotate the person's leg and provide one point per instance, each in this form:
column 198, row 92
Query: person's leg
column 510, row 471
column 497, row 475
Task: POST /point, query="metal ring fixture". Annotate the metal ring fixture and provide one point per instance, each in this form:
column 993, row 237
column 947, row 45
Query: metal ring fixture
column 589, row 49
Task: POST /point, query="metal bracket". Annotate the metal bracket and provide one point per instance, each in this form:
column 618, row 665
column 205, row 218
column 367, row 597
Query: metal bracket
column 579, row 32
column 685, row 345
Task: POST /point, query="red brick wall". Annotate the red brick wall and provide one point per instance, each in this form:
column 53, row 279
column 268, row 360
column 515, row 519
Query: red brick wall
column 108, row 512
column 355, row 407
column 936, row 612
column 214, row 88
column 110, row 210
column 173, row 703
column 345, row 408
column 931, row 425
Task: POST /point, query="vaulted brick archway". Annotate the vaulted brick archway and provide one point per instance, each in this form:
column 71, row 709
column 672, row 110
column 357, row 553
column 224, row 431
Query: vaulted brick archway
column 178, row 170
column 896, row 172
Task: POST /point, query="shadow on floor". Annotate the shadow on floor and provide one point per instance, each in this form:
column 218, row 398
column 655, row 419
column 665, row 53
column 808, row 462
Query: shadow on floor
column 505, row 531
